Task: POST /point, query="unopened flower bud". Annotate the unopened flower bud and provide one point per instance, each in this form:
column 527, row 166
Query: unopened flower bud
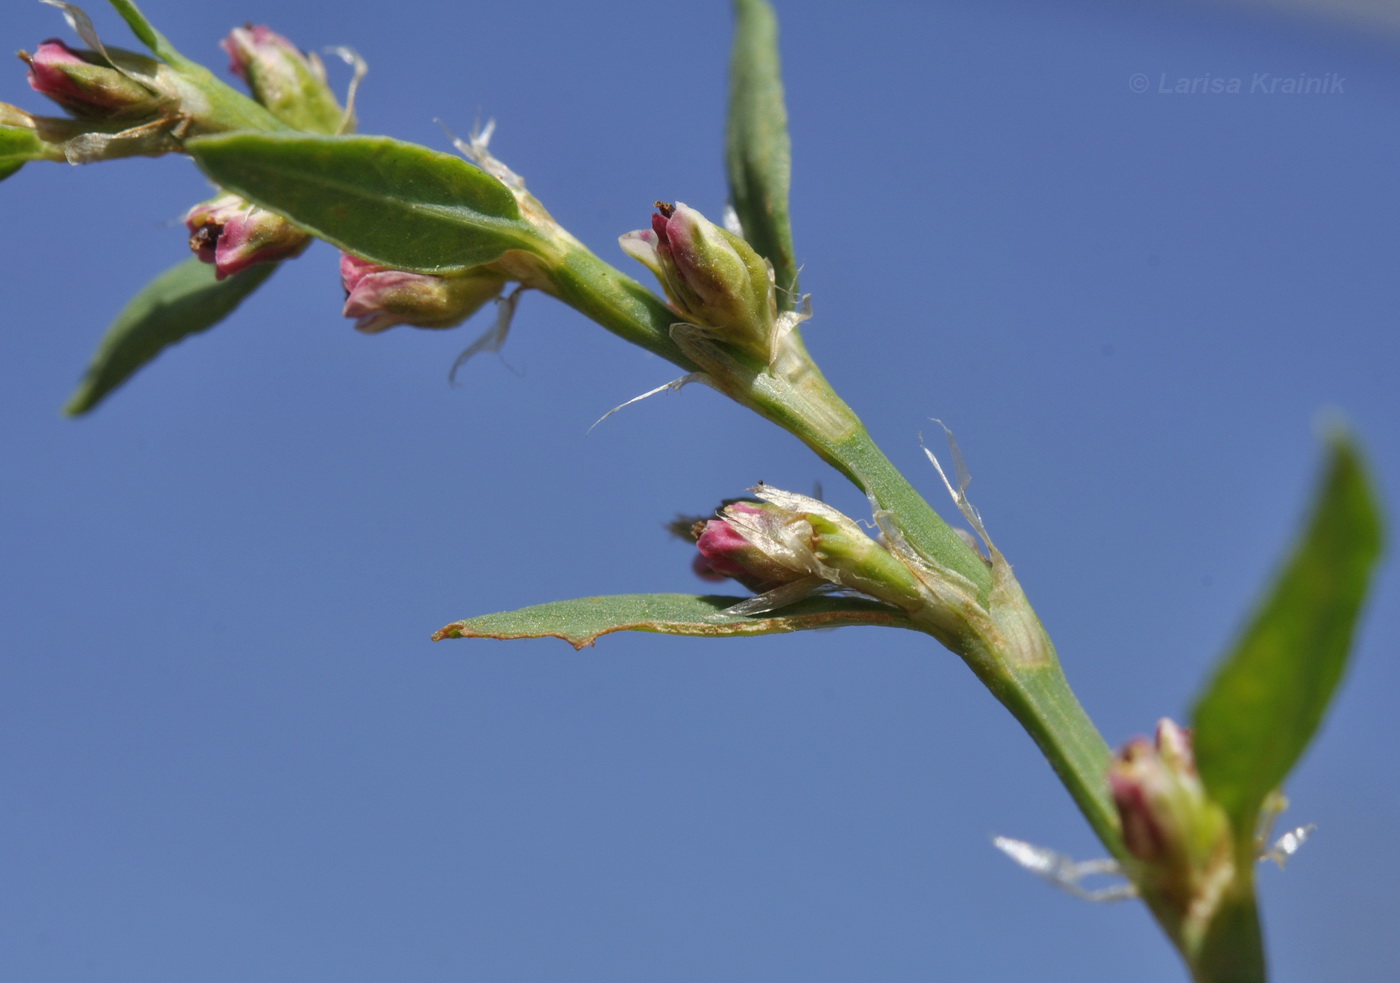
column 289, row 82
column 86, row 85
column 725, row 552
column 712, row 277
column 1169, row 823
column 788, row 537
column 234, row 234
column 381, row 297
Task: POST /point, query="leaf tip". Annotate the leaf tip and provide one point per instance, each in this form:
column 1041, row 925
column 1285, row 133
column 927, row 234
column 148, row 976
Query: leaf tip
column 1349, row 469
column 453, row 630
column 78, row 404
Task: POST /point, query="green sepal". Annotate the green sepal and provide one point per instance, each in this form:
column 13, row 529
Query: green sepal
column 758, row 152
column 583, row 621
column 397, row 204
column 308, row 104
column 182, row 301
column 1268, row 696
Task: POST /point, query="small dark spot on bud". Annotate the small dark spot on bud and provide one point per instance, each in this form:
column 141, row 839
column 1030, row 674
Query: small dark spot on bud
column 205, row 237
column 665, row 208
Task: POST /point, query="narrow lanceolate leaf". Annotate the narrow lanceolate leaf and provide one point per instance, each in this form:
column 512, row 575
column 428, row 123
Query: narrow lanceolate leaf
column 183, row 300
column 583, row 621
column 394, row 203
column 1268, row 697
column 757, row 150
column 145, row 31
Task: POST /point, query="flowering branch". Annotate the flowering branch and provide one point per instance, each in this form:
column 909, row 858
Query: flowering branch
column 428, row 239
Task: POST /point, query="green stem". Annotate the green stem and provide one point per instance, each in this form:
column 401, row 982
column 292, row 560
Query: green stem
column 623, row 306
column 1041, row 700
column 613, row 299
column 1035, row 691
column 224, row 108
column 861, row 459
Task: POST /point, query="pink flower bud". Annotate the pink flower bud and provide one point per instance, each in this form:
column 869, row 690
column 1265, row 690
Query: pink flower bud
column 712, row 277
column 87, row 86
column 786, row 537
column 243, row 44
column 234, row 234
column 381, row 297
column 1168, row 822
column 290, row 83
column 724, row 552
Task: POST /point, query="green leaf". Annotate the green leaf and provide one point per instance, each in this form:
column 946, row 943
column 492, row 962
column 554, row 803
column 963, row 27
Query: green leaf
column 145, row 31
column 182, row 301
column 758, row 152
column 142, row 28
column 1268, row 697
column 583, row 621
column 18, row 146
column 394, row 203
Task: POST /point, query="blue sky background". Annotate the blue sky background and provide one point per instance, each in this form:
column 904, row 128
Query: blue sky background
column 228, row 749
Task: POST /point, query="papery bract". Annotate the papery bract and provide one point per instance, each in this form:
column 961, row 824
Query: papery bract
column 725, row 552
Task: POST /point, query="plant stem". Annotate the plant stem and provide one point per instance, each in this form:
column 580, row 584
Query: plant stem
column 608, row 296
column 861, row 459
column 1035, row 691
column 623, row 306
column 1041, row 699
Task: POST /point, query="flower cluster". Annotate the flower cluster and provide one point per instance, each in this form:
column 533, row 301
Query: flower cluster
column 229, row 231
column 795, row 545
column 1178, row 834
column 713, row 278
column 234, row 234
